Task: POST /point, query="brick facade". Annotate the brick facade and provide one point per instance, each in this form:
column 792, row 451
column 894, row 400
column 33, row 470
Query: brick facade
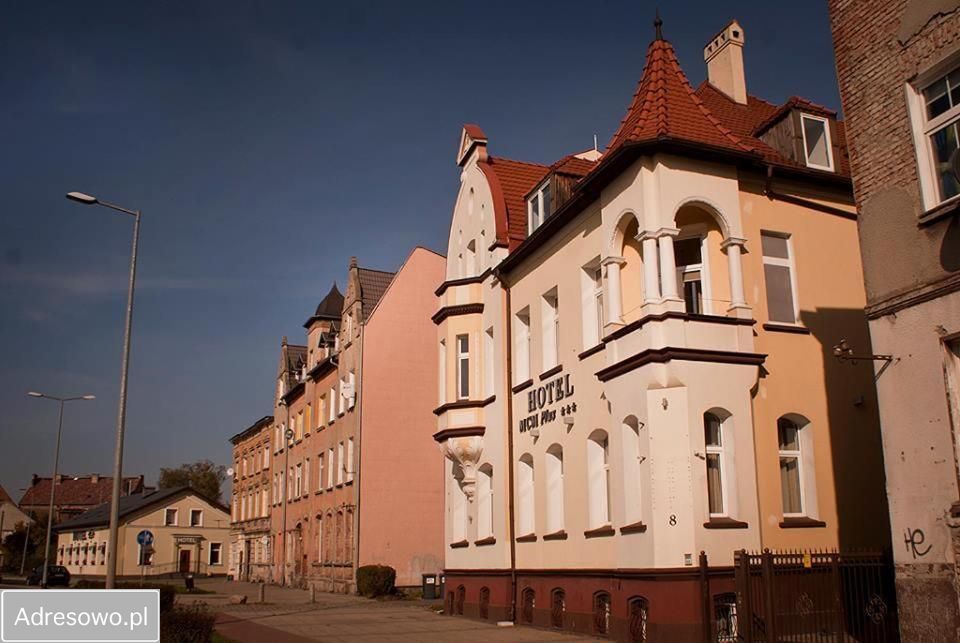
column 885, row 50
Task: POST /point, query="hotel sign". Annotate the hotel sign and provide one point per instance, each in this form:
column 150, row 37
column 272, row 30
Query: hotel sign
column 546, row 401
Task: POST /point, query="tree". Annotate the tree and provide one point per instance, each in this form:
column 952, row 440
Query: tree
column 14, row 542
column 204, row 476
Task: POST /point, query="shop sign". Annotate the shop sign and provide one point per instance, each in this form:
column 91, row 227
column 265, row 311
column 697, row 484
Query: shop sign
column 545, row 402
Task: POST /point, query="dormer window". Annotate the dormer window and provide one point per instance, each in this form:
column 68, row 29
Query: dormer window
column 539, row 207
column 817, row 146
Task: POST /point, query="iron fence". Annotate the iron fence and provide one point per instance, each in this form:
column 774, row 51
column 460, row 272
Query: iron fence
column 815, row 596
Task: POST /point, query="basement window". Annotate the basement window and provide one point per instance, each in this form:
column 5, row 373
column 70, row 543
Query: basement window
column 817, row 146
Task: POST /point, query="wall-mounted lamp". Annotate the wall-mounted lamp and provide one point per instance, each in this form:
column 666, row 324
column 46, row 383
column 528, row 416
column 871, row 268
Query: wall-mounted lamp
column 535, row 432
column 568, row 420
column 844, row 353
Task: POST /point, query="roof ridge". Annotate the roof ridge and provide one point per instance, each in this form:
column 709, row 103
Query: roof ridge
column 533, row 163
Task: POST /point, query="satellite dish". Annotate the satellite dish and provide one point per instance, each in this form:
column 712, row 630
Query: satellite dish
column 230, row 471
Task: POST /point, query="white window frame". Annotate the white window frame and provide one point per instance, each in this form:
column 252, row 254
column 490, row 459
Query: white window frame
column 219, row 562
column 923, row 129
column 801, row 468
column 526, row 496
column 463, row 365
column 718, row 450
column 349, row 461
column 829, row 141
column 442, row 380
column 522, row 341
column 200, row 521
column 333, row 408
column 554, row 473
column 340, row 460
column 176, row 517
column 330, row 466
column 791, row 264
column 598, row 479
column 488, row 365
column 484, row 501
column 535, row 221
column 550, row 332
column 706, row 294
column 320, row 458
column 298, row 480
column 591, row 303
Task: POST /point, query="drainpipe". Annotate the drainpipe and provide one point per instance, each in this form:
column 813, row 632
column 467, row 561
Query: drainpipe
column 509, row 403
column 772, row 194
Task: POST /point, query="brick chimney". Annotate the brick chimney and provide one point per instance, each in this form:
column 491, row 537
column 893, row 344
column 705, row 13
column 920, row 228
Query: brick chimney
column 94, row 478
column 58, row 479
column 724, row 58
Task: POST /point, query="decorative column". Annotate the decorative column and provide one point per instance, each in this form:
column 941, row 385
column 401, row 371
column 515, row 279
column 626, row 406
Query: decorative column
column 668, row 264
column 614, row 295
column 733, row 246
column 465, row 451
column 651, row 279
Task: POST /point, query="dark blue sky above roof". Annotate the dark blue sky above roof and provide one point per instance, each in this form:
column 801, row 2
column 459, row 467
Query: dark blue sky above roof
column 266, row 143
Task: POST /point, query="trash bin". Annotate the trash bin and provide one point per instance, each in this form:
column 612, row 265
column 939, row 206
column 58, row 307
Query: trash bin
column 188, row 582
column 430, row 587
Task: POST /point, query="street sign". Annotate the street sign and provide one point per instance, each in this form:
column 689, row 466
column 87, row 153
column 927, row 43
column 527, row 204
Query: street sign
column 145, row 538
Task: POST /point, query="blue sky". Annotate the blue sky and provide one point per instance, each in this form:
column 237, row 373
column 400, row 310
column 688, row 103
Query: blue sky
column 266, row 143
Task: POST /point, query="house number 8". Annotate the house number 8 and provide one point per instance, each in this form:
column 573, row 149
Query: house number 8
column 673, row 520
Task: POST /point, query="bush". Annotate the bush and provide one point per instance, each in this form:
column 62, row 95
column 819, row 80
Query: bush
column 187, row 624
column 167, row 592
column 376, row 580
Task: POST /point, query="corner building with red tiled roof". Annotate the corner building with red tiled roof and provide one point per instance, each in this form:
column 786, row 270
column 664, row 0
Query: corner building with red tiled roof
column 636, row 364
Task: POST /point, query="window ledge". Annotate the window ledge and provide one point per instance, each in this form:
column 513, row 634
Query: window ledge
column 557, row 535
column 591, row 351
column 551, row 371
column 725, row 523
column 529, row 538
column 522, row 385
column 786, row 328
column 348, row 483
column 600, row 532
column 634, row 528
column 801, row 522
column 489, row 540
column 945, row 209
column 459, row 544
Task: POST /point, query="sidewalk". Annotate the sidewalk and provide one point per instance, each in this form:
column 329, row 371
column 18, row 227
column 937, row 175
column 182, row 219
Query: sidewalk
column 287, row 616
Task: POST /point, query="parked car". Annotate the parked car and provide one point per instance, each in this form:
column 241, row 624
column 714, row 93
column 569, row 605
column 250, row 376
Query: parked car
column 56, row 575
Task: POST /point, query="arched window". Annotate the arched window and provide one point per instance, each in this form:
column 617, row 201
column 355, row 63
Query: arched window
column 635, row 451
column 528, row 601
column 339, row 543
column 553, row 470
column 485, row 501
column 458, row 516
column 796, row 466
column 484, row 602
column 558, row 607
column 638, row 609
column 348, row 539
column 461, row 597
column 525, row 505
column 598, row 478
column 717, row 470
column 601, row 613
column 725, row 616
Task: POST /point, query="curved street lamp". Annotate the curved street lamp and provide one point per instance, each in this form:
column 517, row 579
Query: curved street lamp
column 53, row 480
column 86, row 199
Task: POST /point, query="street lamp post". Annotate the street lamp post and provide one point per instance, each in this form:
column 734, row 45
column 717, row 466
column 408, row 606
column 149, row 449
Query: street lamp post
column 86, row 199
column 53, row 481
column 287, row 438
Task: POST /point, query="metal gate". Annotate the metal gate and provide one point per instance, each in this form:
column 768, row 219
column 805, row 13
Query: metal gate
column 815, row 596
